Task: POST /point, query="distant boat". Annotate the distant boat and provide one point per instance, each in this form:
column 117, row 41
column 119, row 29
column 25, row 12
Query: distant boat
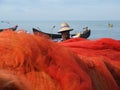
column 110, row 25
column 12, row 28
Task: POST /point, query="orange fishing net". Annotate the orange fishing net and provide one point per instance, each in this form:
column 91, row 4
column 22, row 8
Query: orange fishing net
column 99, row 53
column 76, row 64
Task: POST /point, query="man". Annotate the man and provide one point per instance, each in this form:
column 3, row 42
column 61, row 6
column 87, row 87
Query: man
column 65, row 31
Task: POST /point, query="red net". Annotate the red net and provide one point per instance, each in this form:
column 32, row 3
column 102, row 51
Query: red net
column 96, row 52
column 76, row 64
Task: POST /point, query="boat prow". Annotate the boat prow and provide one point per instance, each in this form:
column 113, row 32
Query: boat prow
column 12, row 28
column 50, row 35
column 85, row 34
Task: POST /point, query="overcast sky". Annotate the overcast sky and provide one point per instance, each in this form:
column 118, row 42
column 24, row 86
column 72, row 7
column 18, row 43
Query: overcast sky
column 59, row 10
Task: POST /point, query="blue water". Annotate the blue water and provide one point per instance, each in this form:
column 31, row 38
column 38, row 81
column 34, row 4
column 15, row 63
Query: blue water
column 99, row 29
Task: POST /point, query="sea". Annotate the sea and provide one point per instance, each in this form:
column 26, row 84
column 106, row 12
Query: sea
column 99, row 29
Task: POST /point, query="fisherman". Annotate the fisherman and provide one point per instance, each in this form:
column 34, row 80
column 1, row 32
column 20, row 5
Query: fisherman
column 65, row 31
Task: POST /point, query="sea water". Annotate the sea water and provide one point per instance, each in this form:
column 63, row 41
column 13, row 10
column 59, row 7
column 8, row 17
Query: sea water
column 99, row 29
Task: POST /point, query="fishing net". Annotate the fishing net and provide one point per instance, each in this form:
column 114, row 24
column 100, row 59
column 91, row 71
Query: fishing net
column 75, row 64
column 95, row 52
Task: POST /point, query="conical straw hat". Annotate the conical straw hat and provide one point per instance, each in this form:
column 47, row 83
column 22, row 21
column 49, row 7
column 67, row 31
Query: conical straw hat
column 64, row 27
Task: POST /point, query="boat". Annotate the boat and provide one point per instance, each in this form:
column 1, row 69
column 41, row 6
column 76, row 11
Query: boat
column 110, row 25
column 12, row 28
column 85, row 34
column 52, row 36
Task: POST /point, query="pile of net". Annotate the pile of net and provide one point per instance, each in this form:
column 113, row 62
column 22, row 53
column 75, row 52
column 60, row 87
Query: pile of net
column 75, row 64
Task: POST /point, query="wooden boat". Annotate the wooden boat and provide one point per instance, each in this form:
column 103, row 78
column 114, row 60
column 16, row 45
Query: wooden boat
column 12, row 28
column 85, row 34
column 52, row 36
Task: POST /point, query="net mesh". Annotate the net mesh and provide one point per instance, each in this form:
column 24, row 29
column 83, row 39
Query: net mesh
column 75, row 64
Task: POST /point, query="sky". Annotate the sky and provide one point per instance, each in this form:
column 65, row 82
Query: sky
column 29, row 10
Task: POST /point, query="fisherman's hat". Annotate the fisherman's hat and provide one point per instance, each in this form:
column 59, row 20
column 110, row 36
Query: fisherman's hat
column 64, row 27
